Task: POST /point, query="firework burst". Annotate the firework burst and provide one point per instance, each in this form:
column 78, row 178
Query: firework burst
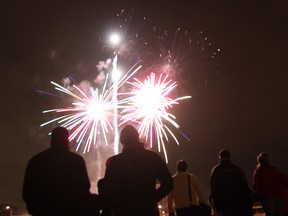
column 148, row 104
column 89, row 116
column 176, row 57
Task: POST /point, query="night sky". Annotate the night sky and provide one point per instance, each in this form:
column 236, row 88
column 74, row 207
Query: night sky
column 242, row 107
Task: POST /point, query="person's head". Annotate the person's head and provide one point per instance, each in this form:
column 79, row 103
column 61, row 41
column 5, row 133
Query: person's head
column 129, row 135
column 263, row 158
column 60, row 138
column 224, row 154
column 182, row 166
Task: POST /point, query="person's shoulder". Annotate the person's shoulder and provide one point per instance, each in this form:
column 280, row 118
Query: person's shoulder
column 150, row 152
column 235, row 166
column 216, row 167
column 74, row 155
column 147, row 153
column 273, row 169
column 175, row 175
column 194, row 178
column 40, row 155
column 192, row 175
column 39, row 159
column 153, row 155
column 113, row 159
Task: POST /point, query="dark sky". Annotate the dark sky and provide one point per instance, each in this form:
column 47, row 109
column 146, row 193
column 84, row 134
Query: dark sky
column 243, row 107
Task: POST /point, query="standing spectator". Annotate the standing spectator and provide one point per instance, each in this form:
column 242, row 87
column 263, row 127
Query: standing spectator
column 268, row 182
column 230, row 193
column 187, row 193
column 129, row 184
column 56, row 181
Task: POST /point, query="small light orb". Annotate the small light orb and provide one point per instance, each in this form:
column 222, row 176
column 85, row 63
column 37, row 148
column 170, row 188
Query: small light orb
column 115, row 39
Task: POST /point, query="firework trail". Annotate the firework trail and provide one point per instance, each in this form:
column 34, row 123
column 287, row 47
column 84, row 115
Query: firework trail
column 115, row 74
column 148, row 104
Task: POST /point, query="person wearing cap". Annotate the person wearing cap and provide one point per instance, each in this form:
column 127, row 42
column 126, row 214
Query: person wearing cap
column 56, row 180
column 129, row 185
column 269, row 183
column 230, row 193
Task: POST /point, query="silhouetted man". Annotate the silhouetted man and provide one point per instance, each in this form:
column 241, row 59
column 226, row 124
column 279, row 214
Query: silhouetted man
column 129, row 185
column 56, row 180
column 230, row 193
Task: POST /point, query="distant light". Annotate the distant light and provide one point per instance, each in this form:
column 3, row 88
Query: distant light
column 114, row 39
column 7, row 207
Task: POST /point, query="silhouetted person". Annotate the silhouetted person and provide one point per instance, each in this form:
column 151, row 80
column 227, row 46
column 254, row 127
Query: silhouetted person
column 129, row 185
column 186, row 200
column 269, row 182
column 230, row 193
column 56, row 180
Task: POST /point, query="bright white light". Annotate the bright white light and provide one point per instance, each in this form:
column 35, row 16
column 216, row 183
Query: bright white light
column 114, row 39
column 116, row 74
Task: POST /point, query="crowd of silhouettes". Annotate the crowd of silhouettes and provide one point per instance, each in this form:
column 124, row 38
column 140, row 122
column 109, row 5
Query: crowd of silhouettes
column 56, row 183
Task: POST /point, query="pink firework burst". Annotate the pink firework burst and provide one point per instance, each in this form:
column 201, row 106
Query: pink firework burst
column 148, row 106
